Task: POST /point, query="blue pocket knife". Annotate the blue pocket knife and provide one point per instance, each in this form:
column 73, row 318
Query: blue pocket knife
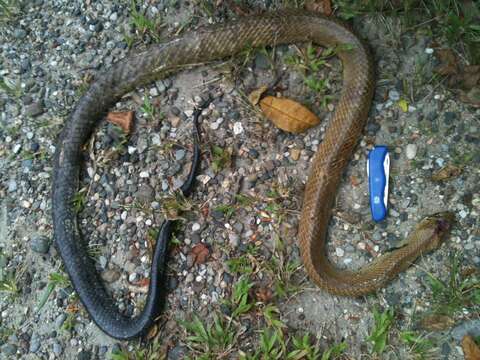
column 378, row 169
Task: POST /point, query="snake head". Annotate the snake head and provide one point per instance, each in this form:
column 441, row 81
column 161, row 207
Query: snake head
column 440, row 223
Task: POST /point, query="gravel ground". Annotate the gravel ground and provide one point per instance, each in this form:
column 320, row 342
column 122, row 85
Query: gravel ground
column 52, row 50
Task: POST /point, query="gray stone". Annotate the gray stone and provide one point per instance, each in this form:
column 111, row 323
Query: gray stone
column 145, row 194
column 177, row 353
column 180, row 154
column 35, row 109
column 9, row 349
column 471, row 327
column 411, row 151
column 57, row 349
column 233, row 239
column 60, row 320
column 12, row 186
column 394, row 95
column 84, row 355
column 40, row 244
column 34, row 344
column 19, row 34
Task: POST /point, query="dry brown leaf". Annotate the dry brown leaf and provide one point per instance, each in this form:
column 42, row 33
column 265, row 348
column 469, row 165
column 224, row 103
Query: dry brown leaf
column 123, row 119
column 256, row 94
column 446, row 172
column 448, row 62
column 436, row 322
column 321, row 6
column 264, row 294
column 152, row 332
column 287, row 114
column 471, row 97
column 471, row 351
column 200, row 252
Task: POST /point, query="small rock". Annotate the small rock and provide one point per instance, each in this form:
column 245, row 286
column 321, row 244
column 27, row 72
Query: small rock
column 237, row 128
column 84, row 355
column 470, row 327
column 145, row 194
column 35, row 109
column 9, row 349
column 34, row 344
column 19, row 33
column 180, row 154
column 12, row 186
column 233, row 239
column 195, row 227
column 294, row 154
column 110, row 275
column 57, row 349
column 339, row 252
column 411, row 151
column 175, row 121
column 40, row 244
column 394, row 95
column 60, row 320
column 177, row 353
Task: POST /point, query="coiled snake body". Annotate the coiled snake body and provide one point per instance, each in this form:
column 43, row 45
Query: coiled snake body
column 333, row 154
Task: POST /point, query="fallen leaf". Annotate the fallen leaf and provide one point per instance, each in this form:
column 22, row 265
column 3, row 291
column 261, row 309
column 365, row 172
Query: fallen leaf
column 447, row 172
column 471, row 97
column 436, row 322
column 264, row 294
column 200, row 253
column 152, row 332
column 287, row 114
column 256, row 94
column 471, row 351
column 403, row 104
column 448, row 62
column 321, row 6
column 144, row 282
column 124, row 119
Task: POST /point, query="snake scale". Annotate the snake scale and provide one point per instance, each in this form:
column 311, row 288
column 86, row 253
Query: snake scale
column 203, row 45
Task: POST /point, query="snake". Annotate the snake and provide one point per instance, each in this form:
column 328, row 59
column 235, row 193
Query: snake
column 206, row 44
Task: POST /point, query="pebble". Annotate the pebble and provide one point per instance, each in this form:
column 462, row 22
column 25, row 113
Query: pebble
column 57, row 348
column 195, row 227
column 394, row 95
column 233, row 239
column 471, row 327
column 9, row 349
column 411, row 151
column 294, row 154
column 237, row 128
column 84, row 355
column 12, row 186
column 34, row 343
column 34, row 109
column 180, row 154
column 60, row 320
column 40, row 244
column 339, row 252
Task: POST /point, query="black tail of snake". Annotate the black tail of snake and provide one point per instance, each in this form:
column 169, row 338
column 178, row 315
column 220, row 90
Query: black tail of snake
column 203, row 45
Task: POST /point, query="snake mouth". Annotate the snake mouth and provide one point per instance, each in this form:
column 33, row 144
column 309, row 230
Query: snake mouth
column 444, row 222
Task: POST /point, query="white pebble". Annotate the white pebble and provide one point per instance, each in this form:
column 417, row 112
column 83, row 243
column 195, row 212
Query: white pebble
column 237, row 128
column 144, row 174
column 131, row 150
column 339, row 252
column 463, row 214
column 429, row 51
column 195, row 227
column 411, row 151
column 132, row 277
